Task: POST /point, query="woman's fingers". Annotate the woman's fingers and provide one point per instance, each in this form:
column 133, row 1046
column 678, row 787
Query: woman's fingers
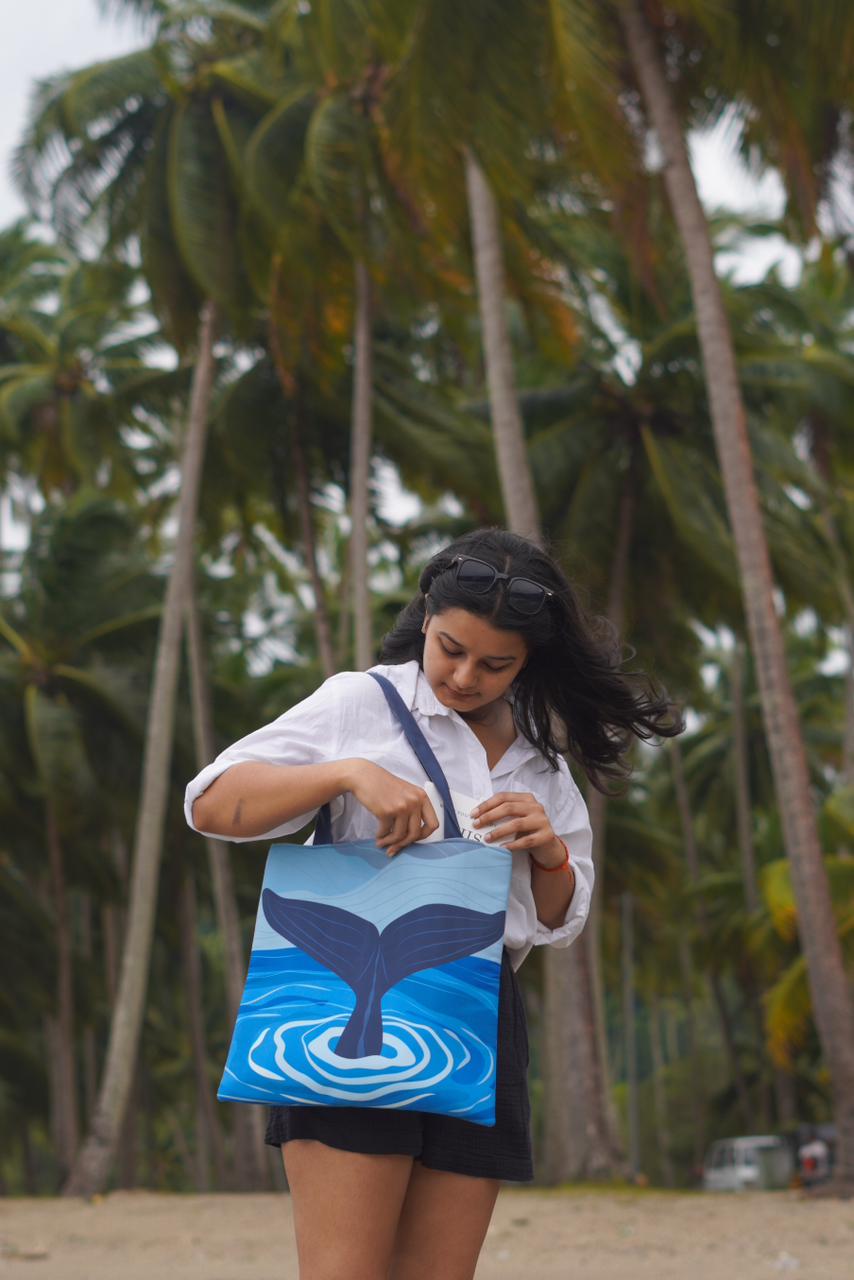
column 508, row 825
column 396, row 827
column 399, row 806
column 506, row 804
column 429, row 820
column 500, row 814
column 516, row 820
column 401, row 841
column 414, row 819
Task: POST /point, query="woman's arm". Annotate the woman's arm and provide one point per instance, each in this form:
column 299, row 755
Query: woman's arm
column 252, row 798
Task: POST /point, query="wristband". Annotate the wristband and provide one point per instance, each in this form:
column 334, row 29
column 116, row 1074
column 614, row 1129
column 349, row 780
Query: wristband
column 562, row 866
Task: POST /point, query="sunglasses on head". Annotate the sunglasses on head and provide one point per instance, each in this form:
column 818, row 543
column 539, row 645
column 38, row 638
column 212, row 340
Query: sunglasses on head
column 523, row 595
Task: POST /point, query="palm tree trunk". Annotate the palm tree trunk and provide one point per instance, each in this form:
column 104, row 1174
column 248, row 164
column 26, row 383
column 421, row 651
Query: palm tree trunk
column 692, row 859
column 50, row 1036
column 90, row 1056
column 699, row 1101
column 68, row 1133
column 579, row 1139
column 250, row 1161
column 593, row 1144
column 630, row 1033
column 698, row 1094
column 209, row 1145
column 92, row 1167
column 128, row 1151
column 219, row 861
column 361, row 437
column 514, row 470
column 609, row 1157
column 659, row 1094
column 561, row 1106
column 749, row 871
column 112, row 916
column 829, row 989
column 785, row 1096
column 744, row 819
column 112, row 923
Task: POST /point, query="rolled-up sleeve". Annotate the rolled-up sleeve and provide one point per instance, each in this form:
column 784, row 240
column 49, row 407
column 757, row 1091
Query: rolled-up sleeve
column 571, row 823
column 310, row 733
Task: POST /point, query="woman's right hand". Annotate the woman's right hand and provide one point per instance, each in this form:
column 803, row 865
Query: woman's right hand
column 403, row 810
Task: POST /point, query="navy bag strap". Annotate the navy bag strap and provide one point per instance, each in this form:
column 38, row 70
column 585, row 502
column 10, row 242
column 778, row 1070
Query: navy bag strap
column 426, row 757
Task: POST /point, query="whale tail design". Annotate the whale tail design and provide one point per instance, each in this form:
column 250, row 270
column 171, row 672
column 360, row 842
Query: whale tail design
column 369, row 961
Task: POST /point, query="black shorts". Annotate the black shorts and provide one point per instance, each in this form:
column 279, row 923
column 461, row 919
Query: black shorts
column 440, row 1142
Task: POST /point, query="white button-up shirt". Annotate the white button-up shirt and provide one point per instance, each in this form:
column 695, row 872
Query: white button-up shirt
column 349, row 717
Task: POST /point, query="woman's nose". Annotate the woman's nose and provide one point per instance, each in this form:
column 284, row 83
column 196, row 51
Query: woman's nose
column 465, row 676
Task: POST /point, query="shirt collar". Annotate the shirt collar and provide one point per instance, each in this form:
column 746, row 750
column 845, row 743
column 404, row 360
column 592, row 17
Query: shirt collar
column 425, row 700
column 413, row 686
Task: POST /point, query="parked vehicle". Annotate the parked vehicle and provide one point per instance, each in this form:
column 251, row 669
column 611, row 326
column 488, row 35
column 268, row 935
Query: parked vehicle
column 761, row 1162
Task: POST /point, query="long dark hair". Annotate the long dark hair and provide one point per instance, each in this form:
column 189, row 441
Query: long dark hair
column 572, row 697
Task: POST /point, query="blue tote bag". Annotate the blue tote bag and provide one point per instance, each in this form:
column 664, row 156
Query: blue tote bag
column 373, row 981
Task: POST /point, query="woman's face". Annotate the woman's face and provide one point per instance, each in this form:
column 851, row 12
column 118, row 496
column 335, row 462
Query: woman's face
column 469, row 663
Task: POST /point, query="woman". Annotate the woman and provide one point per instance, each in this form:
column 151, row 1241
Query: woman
column 504, row 675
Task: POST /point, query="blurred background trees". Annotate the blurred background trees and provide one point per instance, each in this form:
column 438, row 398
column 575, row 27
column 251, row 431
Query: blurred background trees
column 287, row 260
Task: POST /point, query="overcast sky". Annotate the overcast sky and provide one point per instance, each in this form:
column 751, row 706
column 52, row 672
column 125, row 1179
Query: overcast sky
column 41, row 37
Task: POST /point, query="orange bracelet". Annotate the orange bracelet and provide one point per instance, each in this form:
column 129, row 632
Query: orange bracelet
column 562, row 866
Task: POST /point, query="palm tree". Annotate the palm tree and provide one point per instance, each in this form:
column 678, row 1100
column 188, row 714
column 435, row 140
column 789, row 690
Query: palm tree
column 617, row 463
column 95, row 1158
column 517, row 484
column 164, row 115
column 829, row 986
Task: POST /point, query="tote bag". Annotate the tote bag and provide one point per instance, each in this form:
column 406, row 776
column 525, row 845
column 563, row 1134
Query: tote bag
column 373, row 981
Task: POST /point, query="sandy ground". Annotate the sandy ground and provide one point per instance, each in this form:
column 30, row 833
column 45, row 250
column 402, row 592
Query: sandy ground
column 535, row 1235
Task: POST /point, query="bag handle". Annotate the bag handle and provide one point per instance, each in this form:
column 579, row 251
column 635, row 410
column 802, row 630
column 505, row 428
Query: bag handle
column 426, row 758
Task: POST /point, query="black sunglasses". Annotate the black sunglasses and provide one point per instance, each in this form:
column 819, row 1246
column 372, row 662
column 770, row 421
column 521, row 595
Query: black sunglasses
column 523, row 595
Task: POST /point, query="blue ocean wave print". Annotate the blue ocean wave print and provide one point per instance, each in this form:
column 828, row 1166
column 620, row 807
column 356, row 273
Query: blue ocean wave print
column 370, row 960
column 438, row 1038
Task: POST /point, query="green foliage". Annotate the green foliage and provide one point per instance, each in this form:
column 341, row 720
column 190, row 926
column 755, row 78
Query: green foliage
column 248, row 153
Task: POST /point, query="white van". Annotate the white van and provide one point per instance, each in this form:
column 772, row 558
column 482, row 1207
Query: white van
column 762, row 1162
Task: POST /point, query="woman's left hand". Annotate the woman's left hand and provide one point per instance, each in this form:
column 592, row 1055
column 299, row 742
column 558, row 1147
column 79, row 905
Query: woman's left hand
column 523, row 825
